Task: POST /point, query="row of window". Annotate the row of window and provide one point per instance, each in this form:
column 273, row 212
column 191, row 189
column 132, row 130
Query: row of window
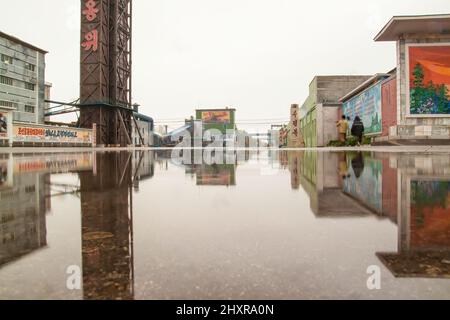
column 28, row 108
column 10, row 60
column 11, row 82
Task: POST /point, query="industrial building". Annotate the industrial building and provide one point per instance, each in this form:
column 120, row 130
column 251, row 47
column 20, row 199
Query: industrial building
column 143, row 130
column 319, row 113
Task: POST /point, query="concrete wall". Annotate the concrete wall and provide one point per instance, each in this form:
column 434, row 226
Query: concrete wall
column 18, row 93
column 328, row 130
column 410, row 126
column 332, row 88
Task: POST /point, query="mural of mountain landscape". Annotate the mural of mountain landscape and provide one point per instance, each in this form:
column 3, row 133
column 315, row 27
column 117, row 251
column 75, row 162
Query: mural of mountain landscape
column 429, row 80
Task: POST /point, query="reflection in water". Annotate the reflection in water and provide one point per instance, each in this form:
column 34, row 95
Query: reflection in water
column 107, row 228
column 24, row 203
column 410, row 192
column 421, row 207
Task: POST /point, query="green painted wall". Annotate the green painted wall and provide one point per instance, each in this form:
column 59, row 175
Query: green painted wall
column 308, row 126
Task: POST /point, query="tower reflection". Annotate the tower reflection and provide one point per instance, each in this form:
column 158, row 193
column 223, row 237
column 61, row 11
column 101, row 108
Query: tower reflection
column 107, row 228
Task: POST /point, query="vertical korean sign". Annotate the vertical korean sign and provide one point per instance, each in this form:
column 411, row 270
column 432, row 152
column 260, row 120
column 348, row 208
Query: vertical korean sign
column 90, row 12
column 295, row 133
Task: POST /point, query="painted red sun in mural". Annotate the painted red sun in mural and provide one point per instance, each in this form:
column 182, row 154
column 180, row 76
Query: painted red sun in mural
column 435, row 61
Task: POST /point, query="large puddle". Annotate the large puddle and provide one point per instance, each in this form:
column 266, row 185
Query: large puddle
column 263, row 225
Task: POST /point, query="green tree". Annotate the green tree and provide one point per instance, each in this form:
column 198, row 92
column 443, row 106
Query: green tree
column 419, row 76
column 418, row 90
column 443, row 98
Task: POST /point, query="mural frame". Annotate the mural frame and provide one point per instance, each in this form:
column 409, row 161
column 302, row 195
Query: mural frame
column 376, row 86
column 408, row 80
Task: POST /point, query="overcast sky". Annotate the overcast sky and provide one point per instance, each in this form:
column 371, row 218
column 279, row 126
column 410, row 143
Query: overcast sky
column 258, row 56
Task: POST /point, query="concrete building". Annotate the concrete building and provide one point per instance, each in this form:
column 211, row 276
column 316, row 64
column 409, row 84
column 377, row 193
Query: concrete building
column 423, row 79
column 22, row 79
column 319, row 113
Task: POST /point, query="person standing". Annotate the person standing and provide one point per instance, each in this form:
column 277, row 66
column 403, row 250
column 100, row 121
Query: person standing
column 342, row 128
column 358, row 130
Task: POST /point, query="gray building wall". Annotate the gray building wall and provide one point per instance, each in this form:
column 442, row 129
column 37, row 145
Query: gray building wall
column 17, row 93
column 145, row 128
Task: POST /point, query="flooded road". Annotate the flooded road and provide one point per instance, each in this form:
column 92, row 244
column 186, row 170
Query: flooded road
column 264, row 225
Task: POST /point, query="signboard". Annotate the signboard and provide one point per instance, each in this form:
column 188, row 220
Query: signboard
column 223, row 117
column 221, row 175
column 367, row 106
column 46, row 134
column 3, row 125
column 294, row 124
column 90, row 12
column 429, row 80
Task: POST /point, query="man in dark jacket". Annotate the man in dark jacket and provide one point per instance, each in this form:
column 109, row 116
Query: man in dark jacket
column 358, row 130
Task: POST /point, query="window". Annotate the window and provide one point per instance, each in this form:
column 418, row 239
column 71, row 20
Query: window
column 6, row 80
column 8, row 104
column 29, row 86
column 6, row 59
column 29, row 66
column 29, row 109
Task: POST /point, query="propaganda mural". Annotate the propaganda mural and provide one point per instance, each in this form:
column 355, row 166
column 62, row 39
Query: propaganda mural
column 216, row 117
column 429, row 80
column 367, row 106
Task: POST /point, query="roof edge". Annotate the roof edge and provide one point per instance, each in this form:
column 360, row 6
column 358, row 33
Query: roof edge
column 24, row 43
column 409, row 17
column 366, row 84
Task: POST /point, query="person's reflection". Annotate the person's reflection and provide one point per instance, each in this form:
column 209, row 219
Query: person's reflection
column 358, row 164
column 107, row 228
column 343, row 166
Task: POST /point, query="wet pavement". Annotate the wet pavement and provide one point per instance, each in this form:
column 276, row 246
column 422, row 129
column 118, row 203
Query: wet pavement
column 263, row 225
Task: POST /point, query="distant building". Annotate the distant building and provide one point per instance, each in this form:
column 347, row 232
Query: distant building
column 145, row 125
column 319, row 113
column 422, row 83
column 22, row 79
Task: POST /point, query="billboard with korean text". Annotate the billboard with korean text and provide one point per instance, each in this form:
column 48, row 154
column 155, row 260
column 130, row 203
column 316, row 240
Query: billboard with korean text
column 367, row 106
column 223, row 117
column 47, row 134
